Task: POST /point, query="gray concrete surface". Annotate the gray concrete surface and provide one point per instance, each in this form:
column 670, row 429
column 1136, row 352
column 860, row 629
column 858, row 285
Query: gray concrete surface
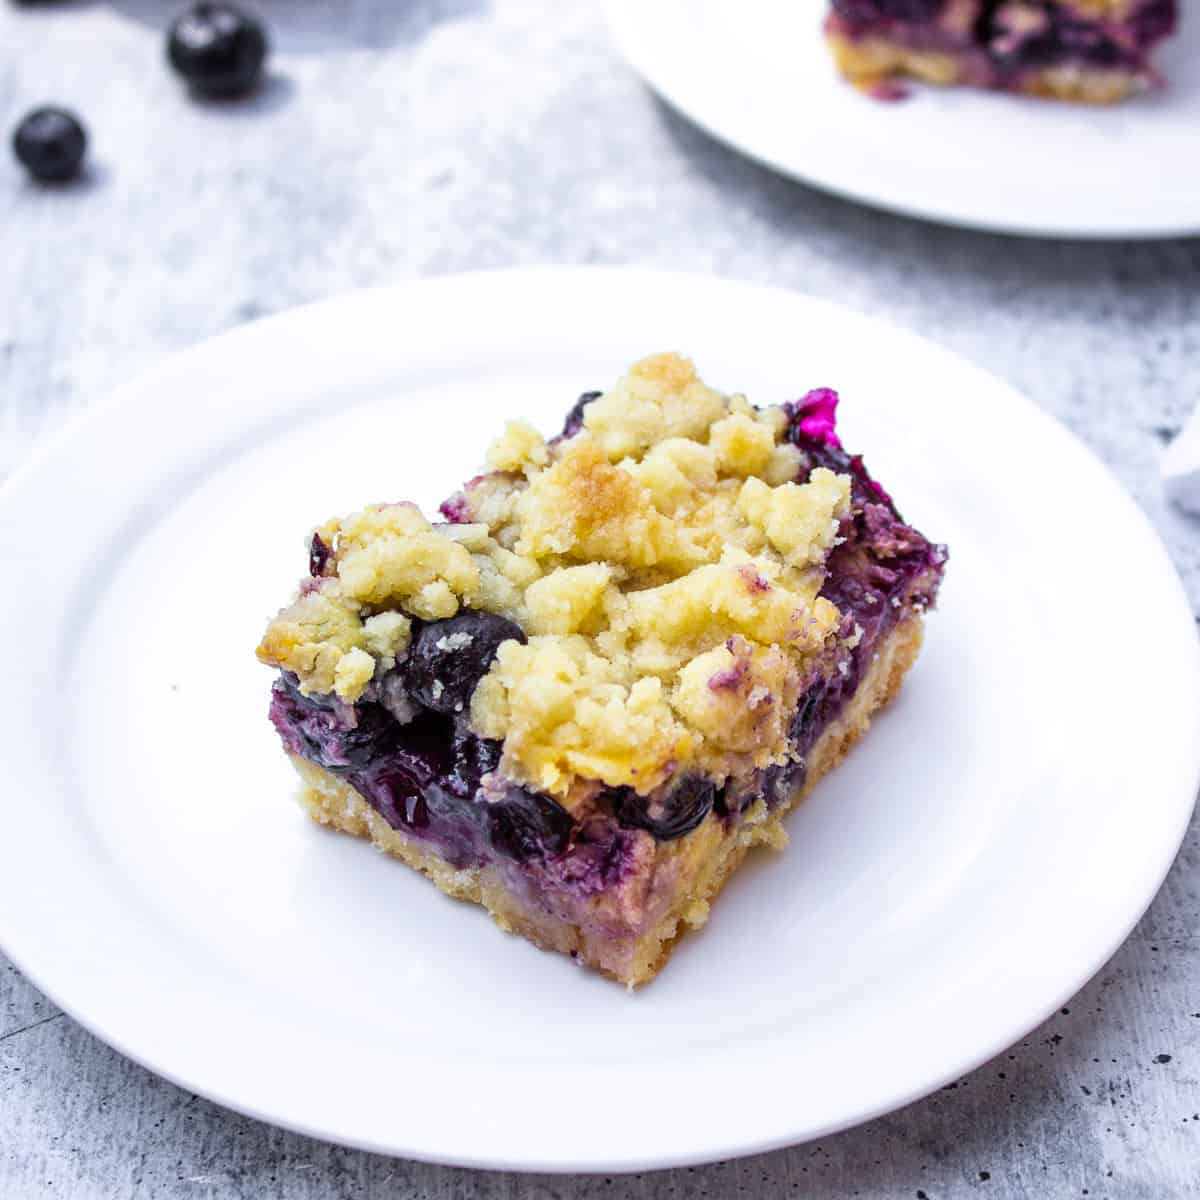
column 400, row 138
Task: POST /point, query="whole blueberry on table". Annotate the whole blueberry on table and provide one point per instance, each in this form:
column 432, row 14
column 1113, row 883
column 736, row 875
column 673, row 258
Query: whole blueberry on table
column 50, row 143
column 218, row 48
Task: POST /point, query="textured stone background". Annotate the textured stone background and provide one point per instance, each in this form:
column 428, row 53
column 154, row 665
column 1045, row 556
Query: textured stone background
column 400, row 138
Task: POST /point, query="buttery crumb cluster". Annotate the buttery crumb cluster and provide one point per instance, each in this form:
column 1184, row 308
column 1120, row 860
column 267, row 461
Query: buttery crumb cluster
column 663, row 562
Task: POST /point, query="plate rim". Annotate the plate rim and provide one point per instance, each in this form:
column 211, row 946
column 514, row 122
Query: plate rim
column 127, row 393
column 623, row 31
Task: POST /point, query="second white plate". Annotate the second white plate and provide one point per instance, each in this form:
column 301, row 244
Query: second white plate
column 976, row 858
column 758, row 75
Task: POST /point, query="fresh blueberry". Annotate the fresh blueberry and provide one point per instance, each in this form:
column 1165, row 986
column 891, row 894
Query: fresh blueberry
column 669, row 813
column 218, row 49
column 528, row 825
column 448, row 658
column 50, row 143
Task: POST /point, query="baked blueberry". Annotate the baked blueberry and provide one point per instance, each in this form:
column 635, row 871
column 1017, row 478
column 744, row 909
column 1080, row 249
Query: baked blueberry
column 527, row 825
column 219, row 49
column 50, row 143
column 669, row 813
column 448, row 658
column 474, row 757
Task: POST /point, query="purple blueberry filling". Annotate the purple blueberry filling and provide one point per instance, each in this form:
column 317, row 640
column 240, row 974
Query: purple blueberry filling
column 1007, row 39
column 407, row 749
column 601, row 858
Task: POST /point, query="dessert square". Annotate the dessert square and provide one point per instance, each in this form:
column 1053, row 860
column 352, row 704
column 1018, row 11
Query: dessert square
column 1091, row 51
column 611, row 667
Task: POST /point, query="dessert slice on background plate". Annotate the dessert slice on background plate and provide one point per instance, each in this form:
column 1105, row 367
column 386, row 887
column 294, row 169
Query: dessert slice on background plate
column 1092, row 51
column 611, row 670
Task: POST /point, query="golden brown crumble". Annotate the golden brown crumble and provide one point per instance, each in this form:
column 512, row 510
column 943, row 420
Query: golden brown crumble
column 663, row 561
column 1108, row 10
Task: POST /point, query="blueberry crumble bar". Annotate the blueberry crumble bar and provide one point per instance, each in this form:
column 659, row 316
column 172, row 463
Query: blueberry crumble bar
column 1094, row 51
column 608, row 671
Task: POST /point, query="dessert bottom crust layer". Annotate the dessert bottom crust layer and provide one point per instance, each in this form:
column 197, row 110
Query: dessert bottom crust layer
column 870, row 60
column 702, row 861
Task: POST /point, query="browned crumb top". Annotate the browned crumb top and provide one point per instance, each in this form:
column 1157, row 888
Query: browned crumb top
column 663, row 561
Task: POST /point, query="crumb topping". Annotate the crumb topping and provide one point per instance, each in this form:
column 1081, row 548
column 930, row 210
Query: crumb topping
column 518, row 448
column 1112, row 10
column 664, row 562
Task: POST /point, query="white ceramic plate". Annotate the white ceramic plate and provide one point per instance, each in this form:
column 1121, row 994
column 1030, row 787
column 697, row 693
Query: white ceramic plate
column 757, row 74
column 975, row 860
